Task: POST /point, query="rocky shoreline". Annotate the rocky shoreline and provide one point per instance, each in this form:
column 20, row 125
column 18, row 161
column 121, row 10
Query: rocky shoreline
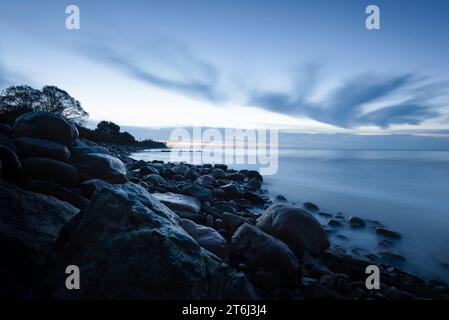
column 155, row 230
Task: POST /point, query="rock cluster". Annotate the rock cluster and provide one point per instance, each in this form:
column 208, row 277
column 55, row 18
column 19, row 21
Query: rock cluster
column 155, row 230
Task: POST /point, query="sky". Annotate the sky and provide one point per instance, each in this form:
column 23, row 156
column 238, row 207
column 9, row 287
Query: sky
column 298, row 66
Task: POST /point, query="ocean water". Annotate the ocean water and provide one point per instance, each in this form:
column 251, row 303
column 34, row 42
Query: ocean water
column 406, row 191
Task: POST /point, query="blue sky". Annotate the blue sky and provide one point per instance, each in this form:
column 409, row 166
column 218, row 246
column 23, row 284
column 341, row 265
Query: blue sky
column 300, row 66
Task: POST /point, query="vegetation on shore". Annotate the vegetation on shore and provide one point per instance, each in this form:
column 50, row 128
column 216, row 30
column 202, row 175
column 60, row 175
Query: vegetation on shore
column 18, row 100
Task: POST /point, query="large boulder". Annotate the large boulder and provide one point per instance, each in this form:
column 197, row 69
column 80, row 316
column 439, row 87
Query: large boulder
column 125, row 250
column 7, row 142
column 179, row 202
column 82, row 146
column 89, row 187
column 50, row 170
column 101, row 166
column 29, row 225
column 260, row 251
column 294, row 226
column 32, row 147
column 11, row 166
column 61, row 193
column 206, row 237
column 46, row 125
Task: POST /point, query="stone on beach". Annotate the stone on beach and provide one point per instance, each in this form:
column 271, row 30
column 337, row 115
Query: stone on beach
column 46, row 125
column 50, row 170
column 32, row 147
column 296, row 227
column 179, row 202
column 101, row 166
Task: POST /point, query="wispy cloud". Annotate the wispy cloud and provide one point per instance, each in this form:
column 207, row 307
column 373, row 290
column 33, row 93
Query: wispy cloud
column 190, row 75
column 344, row 107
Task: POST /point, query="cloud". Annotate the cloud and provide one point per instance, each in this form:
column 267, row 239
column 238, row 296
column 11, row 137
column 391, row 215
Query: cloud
column 191, row 76
column 344, row 107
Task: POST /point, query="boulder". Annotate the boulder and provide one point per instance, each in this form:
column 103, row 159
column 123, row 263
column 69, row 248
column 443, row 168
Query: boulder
column 221, row 166
column 29, row 225
column 181, row 169
column 125, row 250
column 231, row 190
column 205, row 181
column 50, row 170
column 253, row 184
column 202, row 194
column 296, row 227
column 388, row 233
column 218, row 173
column 233, row 221
column 61, row 193
column 356, row 222
column 101, row 166
column 206, row 237
column 5, row 129
column 191, row 174
column 7, row 142
column 11, row 166
column 238, row 287
column 148, row 169
column 46, row 125
column 311, row 206
column 179, row 202
column 89, row 187
column 260, row 251
column 32, row 147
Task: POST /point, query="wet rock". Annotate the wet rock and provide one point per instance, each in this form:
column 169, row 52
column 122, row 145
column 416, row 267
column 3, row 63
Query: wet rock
column 100, row 166
column 148, row 169
column 47, row 126
column 324, row 214
column 7, row 142
column 253, row 197
column 205, row 181
column 32, row 147
column 280, row 198
column 5, row 129
column 219, row 194
column 218, row 173
column 235, row 177
column 50, row 170
column 202, row 194
column 310, row 206
column 181, row 169
column 29, row 225
column 233, row 222
column 54, row 190
column 125, row 250
column 335, row 223
column 206, row 237
column 388, row 233
column 179, row 202
column 221, row 166
column 253, row 184
column 89, row 187
column 168, row 173
column 260, row 250
column 82, row 147
column 231, row 190
column 11, row 166
column 296, row 227
column 356, row 222
column 238, row 287
column 191, row 174
column 253, row 174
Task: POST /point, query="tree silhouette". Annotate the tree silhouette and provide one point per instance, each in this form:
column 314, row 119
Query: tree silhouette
column 17, row 100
